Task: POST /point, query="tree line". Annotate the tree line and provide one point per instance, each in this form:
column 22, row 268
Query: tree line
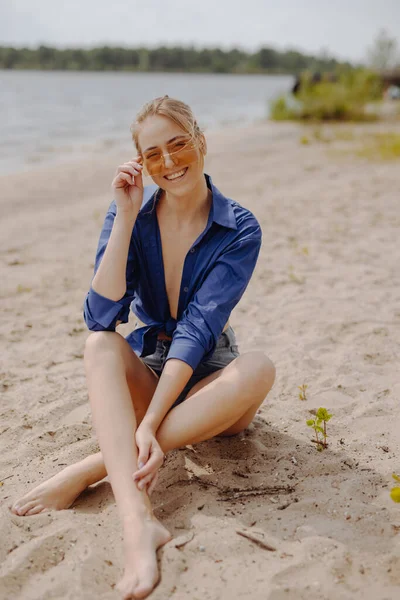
column 165, row 59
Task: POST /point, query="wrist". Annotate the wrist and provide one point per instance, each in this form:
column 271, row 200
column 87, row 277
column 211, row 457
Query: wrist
column 126, row 216
column 149, row 422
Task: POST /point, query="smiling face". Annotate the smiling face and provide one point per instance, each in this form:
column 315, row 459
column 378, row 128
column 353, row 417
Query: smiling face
column 172, row 158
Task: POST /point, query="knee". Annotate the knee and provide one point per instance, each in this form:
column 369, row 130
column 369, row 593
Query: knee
column 100, row 343
column 261, row 368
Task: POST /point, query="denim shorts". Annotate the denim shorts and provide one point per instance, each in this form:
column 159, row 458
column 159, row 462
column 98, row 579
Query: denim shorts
column 226, row 350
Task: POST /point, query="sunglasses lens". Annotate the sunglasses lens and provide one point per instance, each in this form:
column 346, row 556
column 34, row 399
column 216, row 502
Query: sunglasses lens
column 181, row 152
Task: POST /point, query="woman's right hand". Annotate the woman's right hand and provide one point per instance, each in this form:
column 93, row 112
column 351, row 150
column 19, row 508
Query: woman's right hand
column 128, row 186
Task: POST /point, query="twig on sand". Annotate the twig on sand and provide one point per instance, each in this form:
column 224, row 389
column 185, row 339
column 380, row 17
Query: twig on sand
column 4, row 478
column 188, row 539
column 237, row 494
column 254, row 539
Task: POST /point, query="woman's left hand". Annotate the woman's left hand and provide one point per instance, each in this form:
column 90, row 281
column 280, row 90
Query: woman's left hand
column 150, row 458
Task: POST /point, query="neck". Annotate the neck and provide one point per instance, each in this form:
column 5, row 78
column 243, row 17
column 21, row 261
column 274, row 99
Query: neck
column 185, row 208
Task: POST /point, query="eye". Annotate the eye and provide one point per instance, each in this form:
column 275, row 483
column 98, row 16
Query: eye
column 153, row 155
column 178, row 146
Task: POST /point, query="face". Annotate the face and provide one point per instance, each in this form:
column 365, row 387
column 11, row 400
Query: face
column 170, row 157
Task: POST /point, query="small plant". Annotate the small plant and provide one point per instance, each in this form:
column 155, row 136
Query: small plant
column 383, row 146
column 302, row 393
column 321, row 417
column 293, row 277
column 395, row 492
column 304, row 140
column 22, row 289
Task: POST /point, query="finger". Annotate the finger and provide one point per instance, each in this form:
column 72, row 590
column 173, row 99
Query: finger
column 152, row 464
column 128, row 168
column 152, row 485
column 123, row 179
column 135, row 164
column 144, row 453
column 142, row 484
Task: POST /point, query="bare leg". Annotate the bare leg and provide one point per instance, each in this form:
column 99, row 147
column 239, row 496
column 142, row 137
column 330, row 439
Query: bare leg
column 60, row 491
column 210, row 410
column 241, row 388
column 115, row 423
column 222, row 404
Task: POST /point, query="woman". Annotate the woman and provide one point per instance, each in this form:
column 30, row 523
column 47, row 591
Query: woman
column 181, row 255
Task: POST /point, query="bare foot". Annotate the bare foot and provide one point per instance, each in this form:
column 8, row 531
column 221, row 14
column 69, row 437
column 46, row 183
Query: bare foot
column 142, row 537
column 57, row 493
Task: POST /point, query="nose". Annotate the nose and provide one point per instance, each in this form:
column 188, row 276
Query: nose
column 168, row 162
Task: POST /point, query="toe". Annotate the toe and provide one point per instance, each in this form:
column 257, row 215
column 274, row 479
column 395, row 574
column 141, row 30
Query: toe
column 126, row 587
column 144, row 589
column 35, row 510
column 14, row 508
column 26, row 507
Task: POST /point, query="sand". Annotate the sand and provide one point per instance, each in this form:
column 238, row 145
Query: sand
column 324, row 303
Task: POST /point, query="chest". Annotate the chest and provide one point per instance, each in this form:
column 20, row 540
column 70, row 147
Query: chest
column 175, row 247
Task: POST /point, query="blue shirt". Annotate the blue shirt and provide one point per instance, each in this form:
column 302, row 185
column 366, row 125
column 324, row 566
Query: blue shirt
column 215, row 274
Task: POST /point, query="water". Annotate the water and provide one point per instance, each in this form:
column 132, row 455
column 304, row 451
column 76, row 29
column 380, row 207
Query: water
column 47, row 116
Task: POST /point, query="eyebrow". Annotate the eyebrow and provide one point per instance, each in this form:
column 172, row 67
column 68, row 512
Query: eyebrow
column 169, row 141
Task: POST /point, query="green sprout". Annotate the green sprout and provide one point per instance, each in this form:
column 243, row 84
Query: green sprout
column 302, row 393
column 395, row 492
column 321, row 417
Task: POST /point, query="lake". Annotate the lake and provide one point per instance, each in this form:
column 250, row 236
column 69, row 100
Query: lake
column 46, row 116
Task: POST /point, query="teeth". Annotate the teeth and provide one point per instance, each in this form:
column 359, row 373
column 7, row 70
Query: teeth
column 176, row 175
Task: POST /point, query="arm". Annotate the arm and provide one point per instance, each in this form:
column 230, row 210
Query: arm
column 173, row 379
column 202, row 322
column 108, row 300
column 110, row 278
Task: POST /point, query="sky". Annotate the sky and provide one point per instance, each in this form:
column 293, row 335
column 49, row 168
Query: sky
column 342, row 28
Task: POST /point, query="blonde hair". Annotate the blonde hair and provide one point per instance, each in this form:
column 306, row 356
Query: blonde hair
column 176, row 110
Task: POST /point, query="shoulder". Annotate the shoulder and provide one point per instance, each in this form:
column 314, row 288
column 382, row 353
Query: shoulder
column 244, row 217
column 245, row 225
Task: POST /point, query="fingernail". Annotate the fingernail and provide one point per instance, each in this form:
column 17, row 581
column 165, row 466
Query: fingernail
column 141, row 465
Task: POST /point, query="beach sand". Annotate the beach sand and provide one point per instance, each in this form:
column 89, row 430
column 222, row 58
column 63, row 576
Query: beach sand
column 324, row 303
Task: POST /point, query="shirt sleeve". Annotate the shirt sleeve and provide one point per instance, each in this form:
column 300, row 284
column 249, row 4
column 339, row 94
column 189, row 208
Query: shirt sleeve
column 202, row 322
column 101, row 313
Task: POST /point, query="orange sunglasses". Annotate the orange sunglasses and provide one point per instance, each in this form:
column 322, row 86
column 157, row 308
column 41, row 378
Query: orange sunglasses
column 182, row 153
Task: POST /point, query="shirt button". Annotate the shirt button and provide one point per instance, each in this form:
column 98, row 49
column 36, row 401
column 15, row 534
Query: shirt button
column 185, row 289
column 192, row 250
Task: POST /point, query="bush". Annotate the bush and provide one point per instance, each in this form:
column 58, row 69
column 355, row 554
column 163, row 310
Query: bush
column 344, row 99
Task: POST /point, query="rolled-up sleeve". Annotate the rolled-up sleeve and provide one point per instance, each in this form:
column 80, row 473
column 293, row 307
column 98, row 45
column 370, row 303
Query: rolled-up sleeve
column 203, row 320
column 101, row 313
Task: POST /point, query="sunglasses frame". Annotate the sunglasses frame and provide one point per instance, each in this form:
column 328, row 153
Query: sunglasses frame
column 191, row 142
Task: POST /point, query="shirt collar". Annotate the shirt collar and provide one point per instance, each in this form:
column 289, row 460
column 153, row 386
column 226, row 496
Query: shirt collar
column 221, row 210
